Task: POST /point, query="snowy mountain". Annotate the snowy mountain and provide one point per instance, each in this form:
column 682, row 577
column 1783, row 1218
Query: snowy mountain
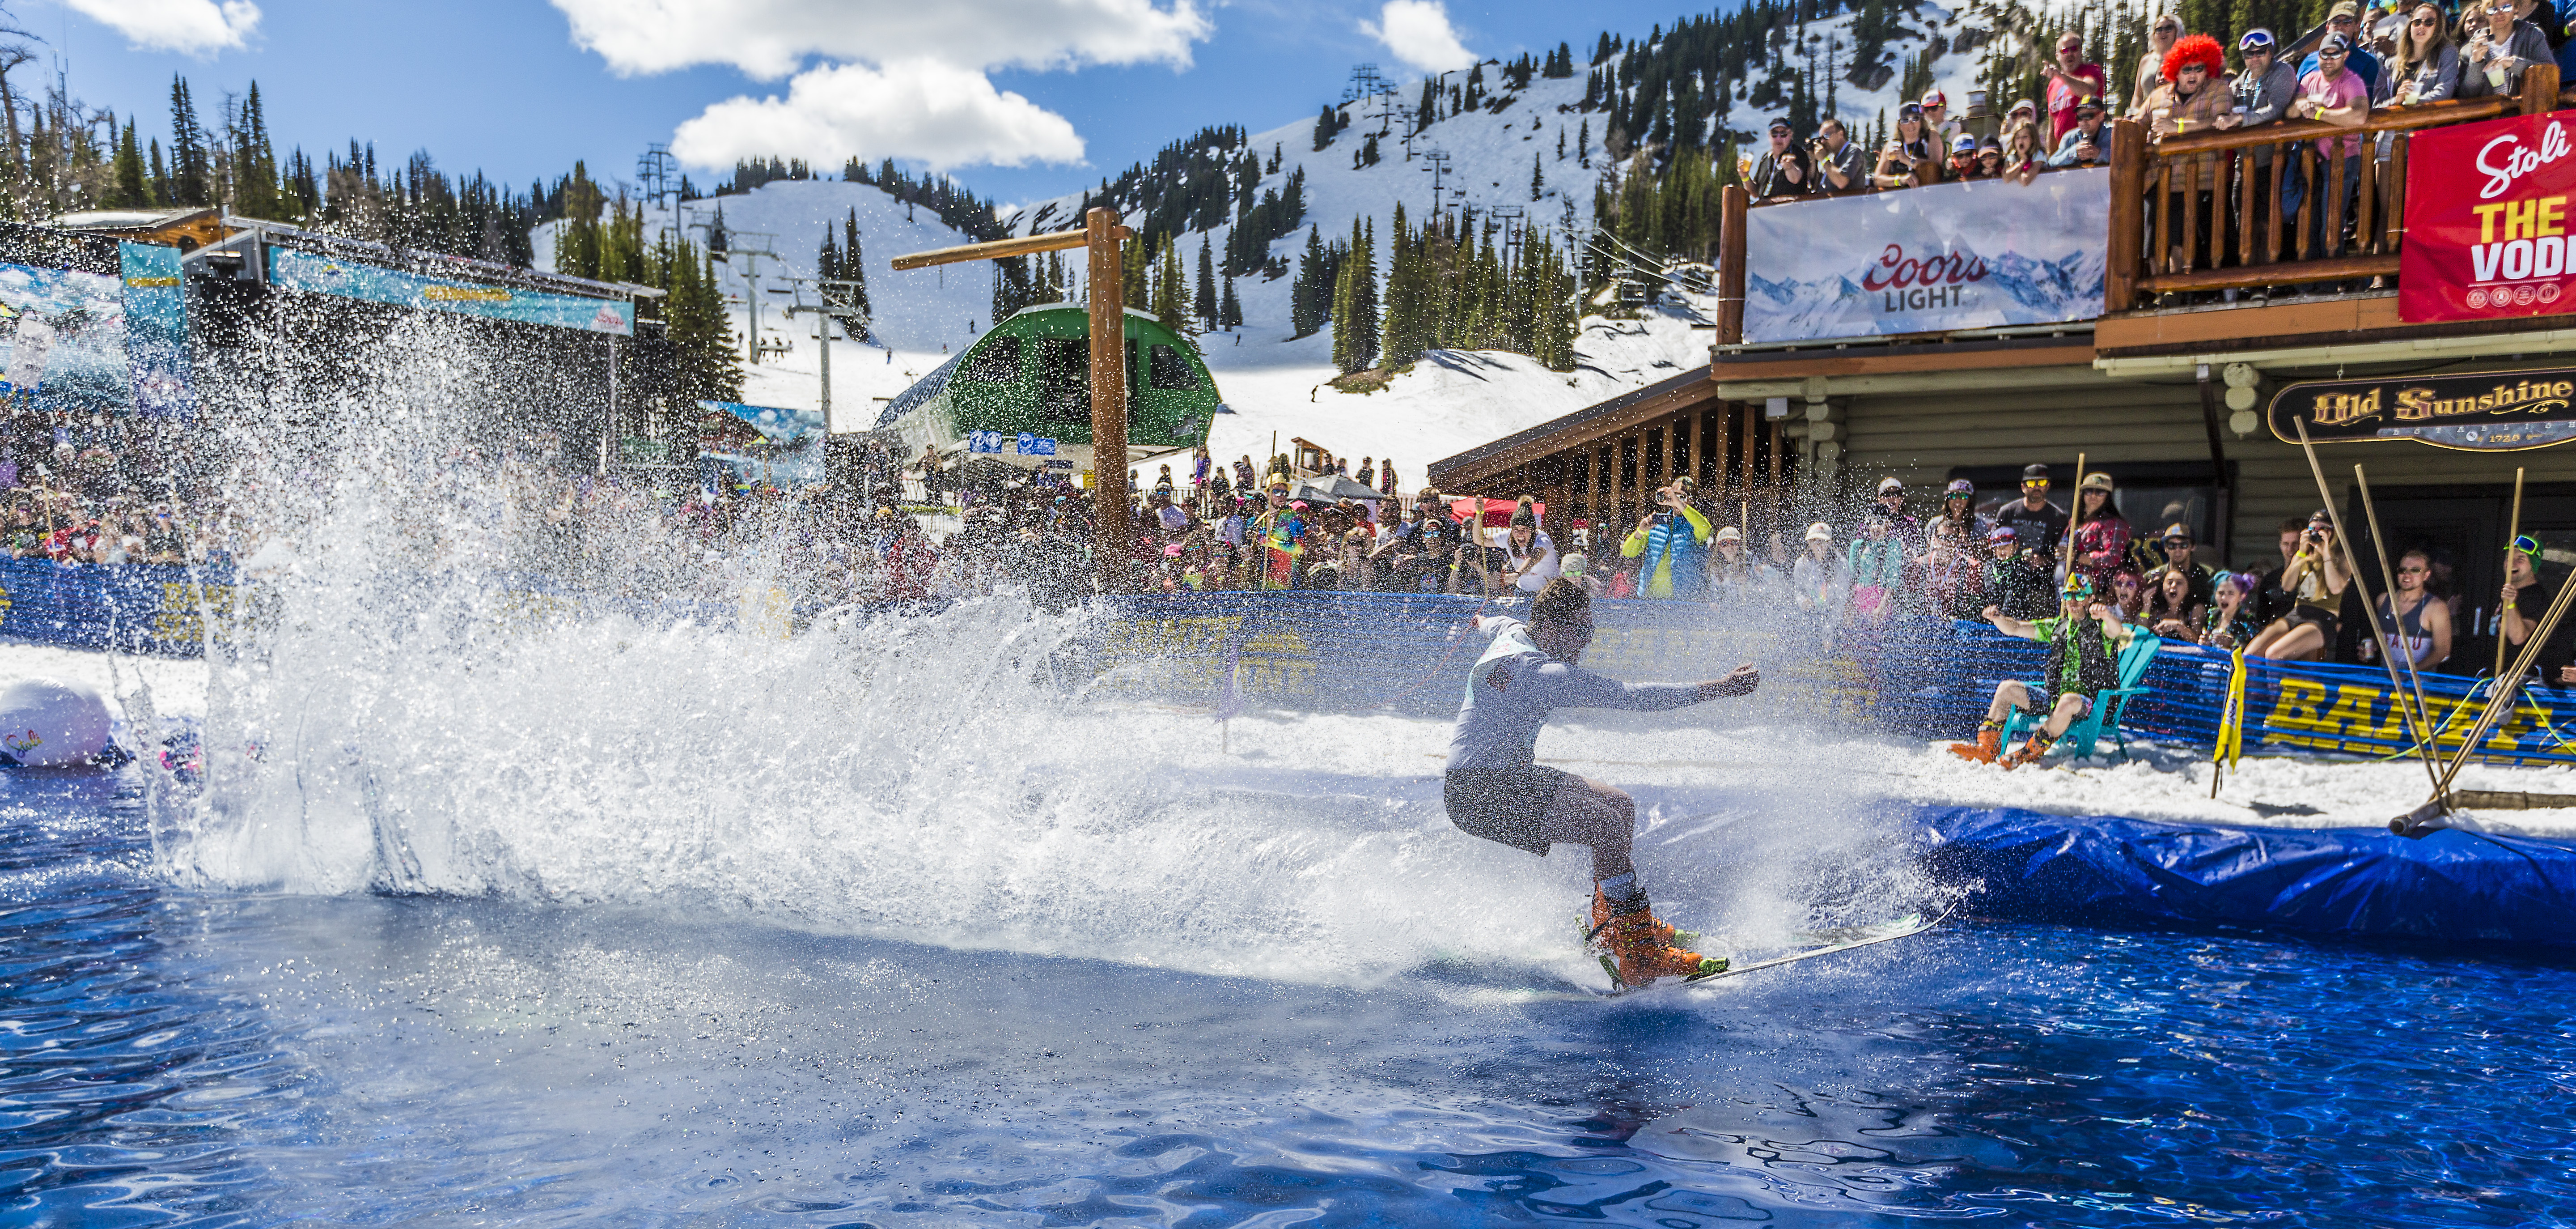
column 1482, row 159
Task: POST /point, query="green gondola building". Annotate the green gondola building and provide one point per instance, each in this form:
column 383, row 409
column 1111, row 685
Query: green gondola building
column 1032, row 374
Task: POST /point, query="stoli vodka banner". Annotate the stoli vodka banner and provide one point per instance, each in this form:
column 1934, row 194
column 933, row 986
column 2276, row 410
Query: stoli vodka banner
column 1975, row 255
column 2487, row 221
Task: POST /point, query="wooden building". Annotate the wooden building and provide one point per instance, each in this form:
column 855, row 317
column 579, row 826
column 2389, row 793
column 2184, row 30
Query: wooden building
column 2162, row 390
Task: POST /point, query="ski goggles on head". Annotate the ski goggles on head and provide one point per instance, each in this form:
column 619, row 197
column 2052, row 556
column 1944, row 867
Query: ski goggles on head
column 2527, row 544
column 2078, row 587
column 2258, row 40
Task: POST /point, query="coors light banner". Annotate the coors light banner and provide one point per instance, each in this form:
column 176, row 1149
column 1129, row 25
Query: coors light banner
column 1976, row 255
column 2487, row 221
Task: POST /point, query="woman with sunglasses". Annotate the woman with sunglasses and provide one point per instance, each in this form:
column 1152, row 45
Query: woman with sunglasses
column 1909, row 160
column 2162, row 34
column 2499, row 47
column 2426, row 65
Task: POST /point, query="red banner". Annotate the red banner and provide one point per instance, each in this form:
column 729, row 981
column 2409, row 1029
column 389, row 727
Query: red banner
column 2488, row 221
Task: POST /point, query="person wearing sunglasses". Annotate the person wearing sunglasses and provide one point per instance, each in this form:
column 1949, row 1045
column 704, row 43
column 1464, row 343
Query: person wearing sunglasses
column 2415, row 621
column 2039, row 524
column 2345, row 20
column 2072, row 82
column 2338, row 96
column 2425, row 66
column 2500, row 46
column 2263, row 92
column 2084, row 645
column 1908, row 160
column 2162, row 33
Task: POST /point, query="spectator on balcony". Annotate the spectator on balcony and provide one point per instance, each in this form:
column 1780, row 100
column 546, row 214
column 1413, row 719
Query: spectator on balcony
column 1936, row 118
column 2338, row 96
column 2500, row 46
column 2162, row 34
column 2425, row 67
column 1908, row 160
column 2022, row 158
column 1841, row 164
column 2345, row 20
column 2039, row 522
column 2017, row 580
column 2315, row 580
column 1963, row 159
column 2102, row 536
column 1783, row 170
column 2072, row 82
column 2086, row 144
column 2266, row 87
column 2190, row 100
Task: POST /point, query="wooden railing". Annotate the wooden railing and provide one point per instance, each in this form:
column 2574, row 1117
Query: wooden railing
column 2204, row 212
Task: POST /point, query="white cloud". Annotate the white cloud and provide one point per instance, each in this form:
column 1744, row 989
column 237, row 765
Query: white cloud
column 196, row 27
column 771, row 38
column 936, row 113
column 1418, row 32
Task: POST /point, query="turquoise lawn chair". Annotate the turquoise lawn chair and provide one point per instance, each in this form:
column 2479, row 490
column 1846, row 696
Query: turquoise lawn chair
column 2080, row 736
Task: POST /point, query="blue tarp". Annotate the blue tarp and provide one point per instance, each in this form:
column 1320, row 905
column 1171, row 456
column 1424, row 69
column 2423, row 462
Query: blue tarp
column 2344, row 882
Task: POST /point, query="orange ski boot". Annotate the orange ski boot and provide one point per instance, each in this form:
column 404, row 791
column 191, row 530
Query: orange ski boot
column 2029, row 754
column 1642, row 956
column 1989, row 744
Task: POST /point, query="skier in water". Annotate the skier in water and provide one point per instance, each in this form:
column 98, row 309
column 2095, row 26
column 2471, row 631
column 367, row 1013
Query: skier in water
column 1494, row 788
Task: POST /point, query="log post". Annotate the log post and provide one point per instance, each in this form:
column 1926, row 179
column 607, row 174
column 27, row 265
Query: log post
column 1732, row 202
column 2540, row 89
column 1113, row 534
column 2125, row 217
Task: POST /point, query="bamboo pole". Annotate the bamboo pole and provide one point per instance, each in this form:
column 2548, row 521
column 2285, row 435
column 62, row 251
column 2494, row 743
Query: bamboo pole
column 2513, row 530
column 2074, row 517
column 2499, row 702
column 2370, row 608
column 2388, row 585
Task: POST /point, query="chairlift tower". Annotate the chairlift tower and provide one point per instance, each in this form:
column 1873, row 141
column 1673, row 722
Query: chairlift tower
column 1439, row 169
column 1513, row 219
column 834, row 304
column 751, row 247
column 659, row 173
column 1365, row 83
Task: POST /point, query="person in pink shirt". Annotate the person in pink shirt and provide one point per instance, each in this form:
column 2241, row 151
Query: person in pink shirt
column 2338, row 97
column 2070, row 82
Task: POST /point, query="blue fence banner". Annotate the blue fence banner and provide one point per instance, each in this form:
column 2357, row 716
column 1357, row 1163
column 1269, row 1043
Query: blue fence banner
column 156, row 327
column 984, row 441
column 1036, row 445
column 311, row 271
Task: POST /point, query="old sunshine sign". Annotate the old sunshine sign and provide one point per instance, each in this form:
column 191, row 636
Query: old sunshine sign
column 2487, row 221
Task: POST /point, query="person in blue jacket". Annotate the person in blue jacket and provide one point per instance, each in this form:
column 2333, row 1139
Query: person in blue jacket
column 1674, row 544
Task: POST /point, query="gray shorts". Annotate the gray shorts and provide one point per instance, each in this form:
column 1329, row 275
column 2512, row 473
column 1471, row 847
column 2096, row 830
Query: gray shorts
column 1507, row 806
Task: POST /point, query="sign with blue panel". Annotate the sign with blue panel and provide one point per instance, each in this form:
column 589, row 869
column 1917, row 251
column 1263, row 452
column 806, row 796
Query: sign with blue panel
column 321, row 274
column 1036, row 445
column 156, row 327
column 984, row 441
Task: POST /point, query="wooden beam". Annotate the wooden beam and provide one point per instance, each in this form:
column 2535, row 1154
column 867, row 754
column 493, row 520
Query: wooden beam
column 2127, row 218
column 1731, row 205
column 2286, row 273
column 1113, row 535
column 1059, row 241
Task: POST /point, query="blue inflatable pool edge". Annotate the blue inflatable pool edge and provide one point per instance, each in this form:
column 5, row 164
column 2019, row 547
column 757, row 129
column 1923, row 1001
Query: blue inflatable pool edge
column 2340, row 882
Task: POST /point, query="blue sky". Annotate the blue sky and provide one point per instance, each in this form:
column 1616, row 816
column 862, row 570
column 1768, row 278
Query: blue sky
column 521, row 88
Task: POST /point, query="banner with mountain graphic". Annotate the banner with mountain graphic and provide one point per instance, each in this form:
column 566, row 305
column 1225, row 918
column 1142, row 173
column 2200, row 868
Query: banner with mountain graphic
column 1976, row 255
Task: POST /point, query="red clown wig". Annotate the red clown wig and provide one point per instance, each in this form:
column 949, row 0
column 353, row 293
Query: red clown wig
column 2198, row 49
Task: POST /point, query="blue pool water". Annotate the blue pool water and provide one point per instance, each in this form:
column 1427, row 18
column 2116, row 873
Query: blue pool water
column 173, row 1056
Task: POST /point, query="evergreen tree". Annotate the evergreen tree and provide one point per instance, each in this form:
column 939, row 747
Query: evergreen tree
column 254, row 162
column 827, row 259
column 1308, row 296
column 188, row 165
column 1203, row 302
column 1171, row 294
column 1229, row 311
column 1583, row 143
column 854, row 266
column 131, row 189
column 1410, row 294
column 160, row 176
column 1538, row 177
column 1011, row 289
column 1355, row 314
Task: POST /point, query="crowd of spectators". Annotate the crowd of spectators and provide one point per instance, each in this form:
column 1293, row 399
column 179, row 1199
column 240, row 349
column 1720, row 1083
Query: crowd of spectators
column 96, row 488
column 2388, row 56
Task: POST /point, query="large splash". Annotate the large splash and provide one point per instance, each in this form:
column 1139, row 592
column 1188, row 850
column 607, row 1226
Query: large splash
column 401, row 716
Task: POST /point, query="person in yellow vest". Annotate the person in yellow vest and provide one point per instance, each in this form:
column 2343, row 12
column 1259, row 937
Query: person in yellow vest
column 1674, row 544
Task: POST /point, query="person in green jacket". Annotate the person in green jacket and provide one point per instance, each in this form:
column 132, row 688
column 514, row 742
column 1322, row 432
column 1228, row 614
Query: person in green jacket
column 1674, row 544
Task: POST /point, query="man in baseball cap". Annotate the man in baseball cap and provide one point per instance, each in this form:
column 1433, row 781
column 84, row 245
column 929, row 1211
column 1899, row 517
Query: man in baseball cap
column 2039, row 522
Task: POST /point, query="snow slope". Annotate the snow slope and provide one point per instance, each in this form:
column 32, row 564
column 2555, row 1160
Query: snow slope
column 1451, row 402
